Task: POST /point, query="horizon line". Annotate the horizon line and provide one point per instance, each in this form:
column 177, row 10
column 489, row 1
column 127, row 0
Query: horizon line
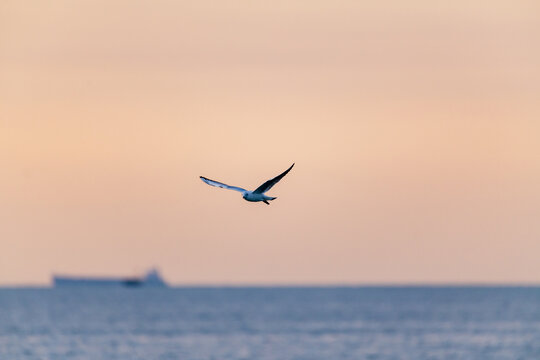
column 485, row 284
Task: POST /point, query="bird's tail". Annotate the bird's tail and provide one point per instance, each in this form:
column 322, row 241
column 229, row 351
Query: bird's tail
column 272, row 198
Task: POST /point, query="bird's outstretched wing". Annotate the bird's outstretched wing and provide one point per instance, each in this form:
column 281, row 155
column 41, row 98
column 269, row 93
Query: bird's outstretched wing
column 268, row 185
column 222, row 185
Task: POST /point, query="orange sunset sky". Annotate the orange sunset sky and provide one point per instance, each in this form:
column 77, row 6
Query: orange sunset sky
column 414, row 125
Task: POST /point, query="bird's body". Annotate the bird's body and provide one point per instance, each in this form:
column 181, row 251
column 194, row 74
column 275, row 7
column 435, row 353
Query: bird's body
column 255, row 195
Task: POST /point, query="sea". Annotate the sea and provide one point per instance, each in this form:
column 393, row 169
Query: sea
column 271, row 323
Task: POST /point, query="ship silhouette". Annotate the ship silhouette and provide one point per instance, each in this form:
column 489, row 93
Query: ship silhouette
column 152, row 278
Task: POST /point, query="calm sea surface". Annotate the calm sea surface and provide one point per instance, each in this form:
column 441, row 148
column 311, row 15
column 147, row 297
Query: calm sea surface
column 271, row 323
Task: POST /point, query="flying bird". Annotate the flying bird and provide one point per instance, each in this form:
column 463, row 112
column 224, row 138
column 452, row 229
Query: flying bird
column 255, row 195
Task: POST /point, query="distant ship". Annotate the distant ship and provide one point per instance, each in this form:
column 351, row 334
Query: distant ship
column 151, row 279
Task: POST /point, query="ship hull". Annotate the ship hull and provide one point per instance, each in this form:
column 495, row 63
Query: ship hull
column 152, row 279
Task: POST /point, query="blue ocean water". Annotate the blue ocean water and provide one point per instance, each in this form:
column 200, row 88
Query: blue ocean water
column 271, row 323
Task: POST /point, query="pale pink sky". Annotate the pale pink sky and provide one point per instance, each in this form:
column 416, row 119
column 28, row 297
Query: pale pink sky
column 415, row 128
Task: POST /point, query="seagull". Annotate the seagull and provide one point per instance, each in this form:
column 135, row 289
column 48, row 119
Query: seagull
column 255, row 195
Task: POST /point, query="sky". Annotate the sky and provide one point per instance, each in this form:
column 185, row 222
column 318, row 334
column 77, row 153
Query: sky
column 414, row 126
